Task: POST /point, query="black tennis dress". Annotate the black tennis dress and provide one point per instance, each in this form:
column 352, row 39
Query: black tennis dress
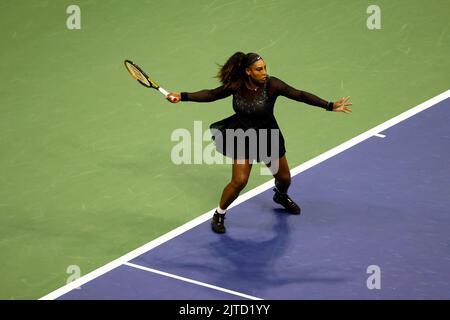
column 253, row 132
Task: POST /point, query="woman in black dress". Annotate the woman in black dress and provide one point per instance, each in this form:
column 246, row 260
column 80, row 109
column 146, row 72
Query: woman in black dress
column 252, row 133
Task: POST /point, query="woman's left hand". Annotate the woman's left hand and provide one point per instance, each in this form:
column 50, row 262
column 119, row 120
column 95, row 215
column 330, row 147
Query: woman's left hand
column 341, row 105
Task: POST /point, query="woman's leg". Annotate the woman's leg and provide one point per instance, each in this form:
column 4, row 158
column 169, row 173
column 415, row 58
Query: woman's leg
column 282, row 175
column 240, row 173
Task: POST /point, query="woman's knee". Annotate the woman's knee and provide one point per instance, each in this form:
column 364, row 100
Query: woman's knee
column 239, row 182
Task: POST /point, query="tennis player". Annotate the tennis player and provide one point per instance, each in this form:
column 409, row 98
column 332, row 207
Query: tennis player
column 244, row 76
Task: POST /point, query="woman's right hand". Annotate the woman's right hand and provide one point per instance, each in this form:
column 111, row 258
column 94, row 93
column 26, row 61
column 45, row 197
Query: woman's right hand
column 174, row 97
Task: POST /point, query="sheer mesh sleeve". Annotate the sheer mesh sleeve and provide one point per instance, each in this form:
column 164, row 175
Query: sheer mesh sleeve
column 283, row 89
column 208, row 95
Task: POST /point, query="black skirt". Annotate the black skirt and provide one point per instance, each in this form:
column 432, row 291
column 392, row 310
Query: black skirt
column 236, row 139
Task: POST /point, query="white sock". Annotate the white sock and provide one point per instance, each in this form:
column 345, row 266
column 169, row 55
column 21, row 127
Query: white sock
column 220, row 210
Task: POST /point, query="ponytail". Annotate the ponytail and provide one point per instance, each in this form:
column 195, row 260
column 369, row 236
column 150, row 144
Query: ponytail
column 232, row 73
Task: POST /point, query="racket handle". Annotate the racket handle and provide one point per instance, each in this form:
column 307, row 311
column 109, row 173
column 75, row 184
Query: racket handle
column 165, row 93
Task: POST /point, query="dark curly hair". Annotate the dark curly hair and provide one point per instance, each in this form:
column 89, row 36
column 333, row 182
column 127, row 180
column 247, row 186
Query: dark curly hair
column 232, row 73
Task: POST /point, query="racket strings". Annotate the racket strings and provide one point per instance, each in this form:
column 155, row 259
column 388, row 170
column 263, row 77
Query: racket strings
column 138, row 74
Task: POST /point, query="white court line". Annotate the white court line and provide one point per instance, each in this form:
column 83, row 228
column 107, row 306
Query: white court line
column 206, row 216
column 379, row 135
column 203, row 284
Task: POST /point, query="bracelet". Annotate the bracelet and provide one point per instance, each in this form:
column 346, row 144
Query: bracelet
column 184, row 96
column 329, row 106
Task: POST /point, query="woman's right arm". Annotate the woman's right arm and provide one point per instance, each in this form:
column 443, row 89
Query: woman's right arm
column 200, row 96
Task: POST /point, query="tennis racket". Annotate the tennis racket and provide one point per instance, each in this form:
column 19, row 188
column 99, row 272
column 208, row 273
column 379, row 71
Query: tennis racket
column 138, row 74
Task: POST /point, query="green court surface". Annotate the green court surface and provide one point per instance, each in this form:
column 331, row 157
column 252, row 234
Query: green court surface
column 86, row 172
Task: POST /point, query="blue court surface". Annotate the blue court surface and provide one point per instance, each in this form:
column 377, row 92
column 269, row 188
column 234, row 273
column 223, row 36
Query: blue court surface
column 383, row 203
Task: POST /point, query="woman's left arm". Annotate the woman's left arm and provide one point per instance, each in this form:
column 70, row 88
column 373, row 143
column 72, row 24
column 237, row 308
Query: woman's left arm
column 289, row 92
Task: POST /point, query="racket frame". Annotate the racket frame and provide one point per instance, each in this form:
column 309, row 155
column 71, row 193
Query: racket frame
column 152, row 83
